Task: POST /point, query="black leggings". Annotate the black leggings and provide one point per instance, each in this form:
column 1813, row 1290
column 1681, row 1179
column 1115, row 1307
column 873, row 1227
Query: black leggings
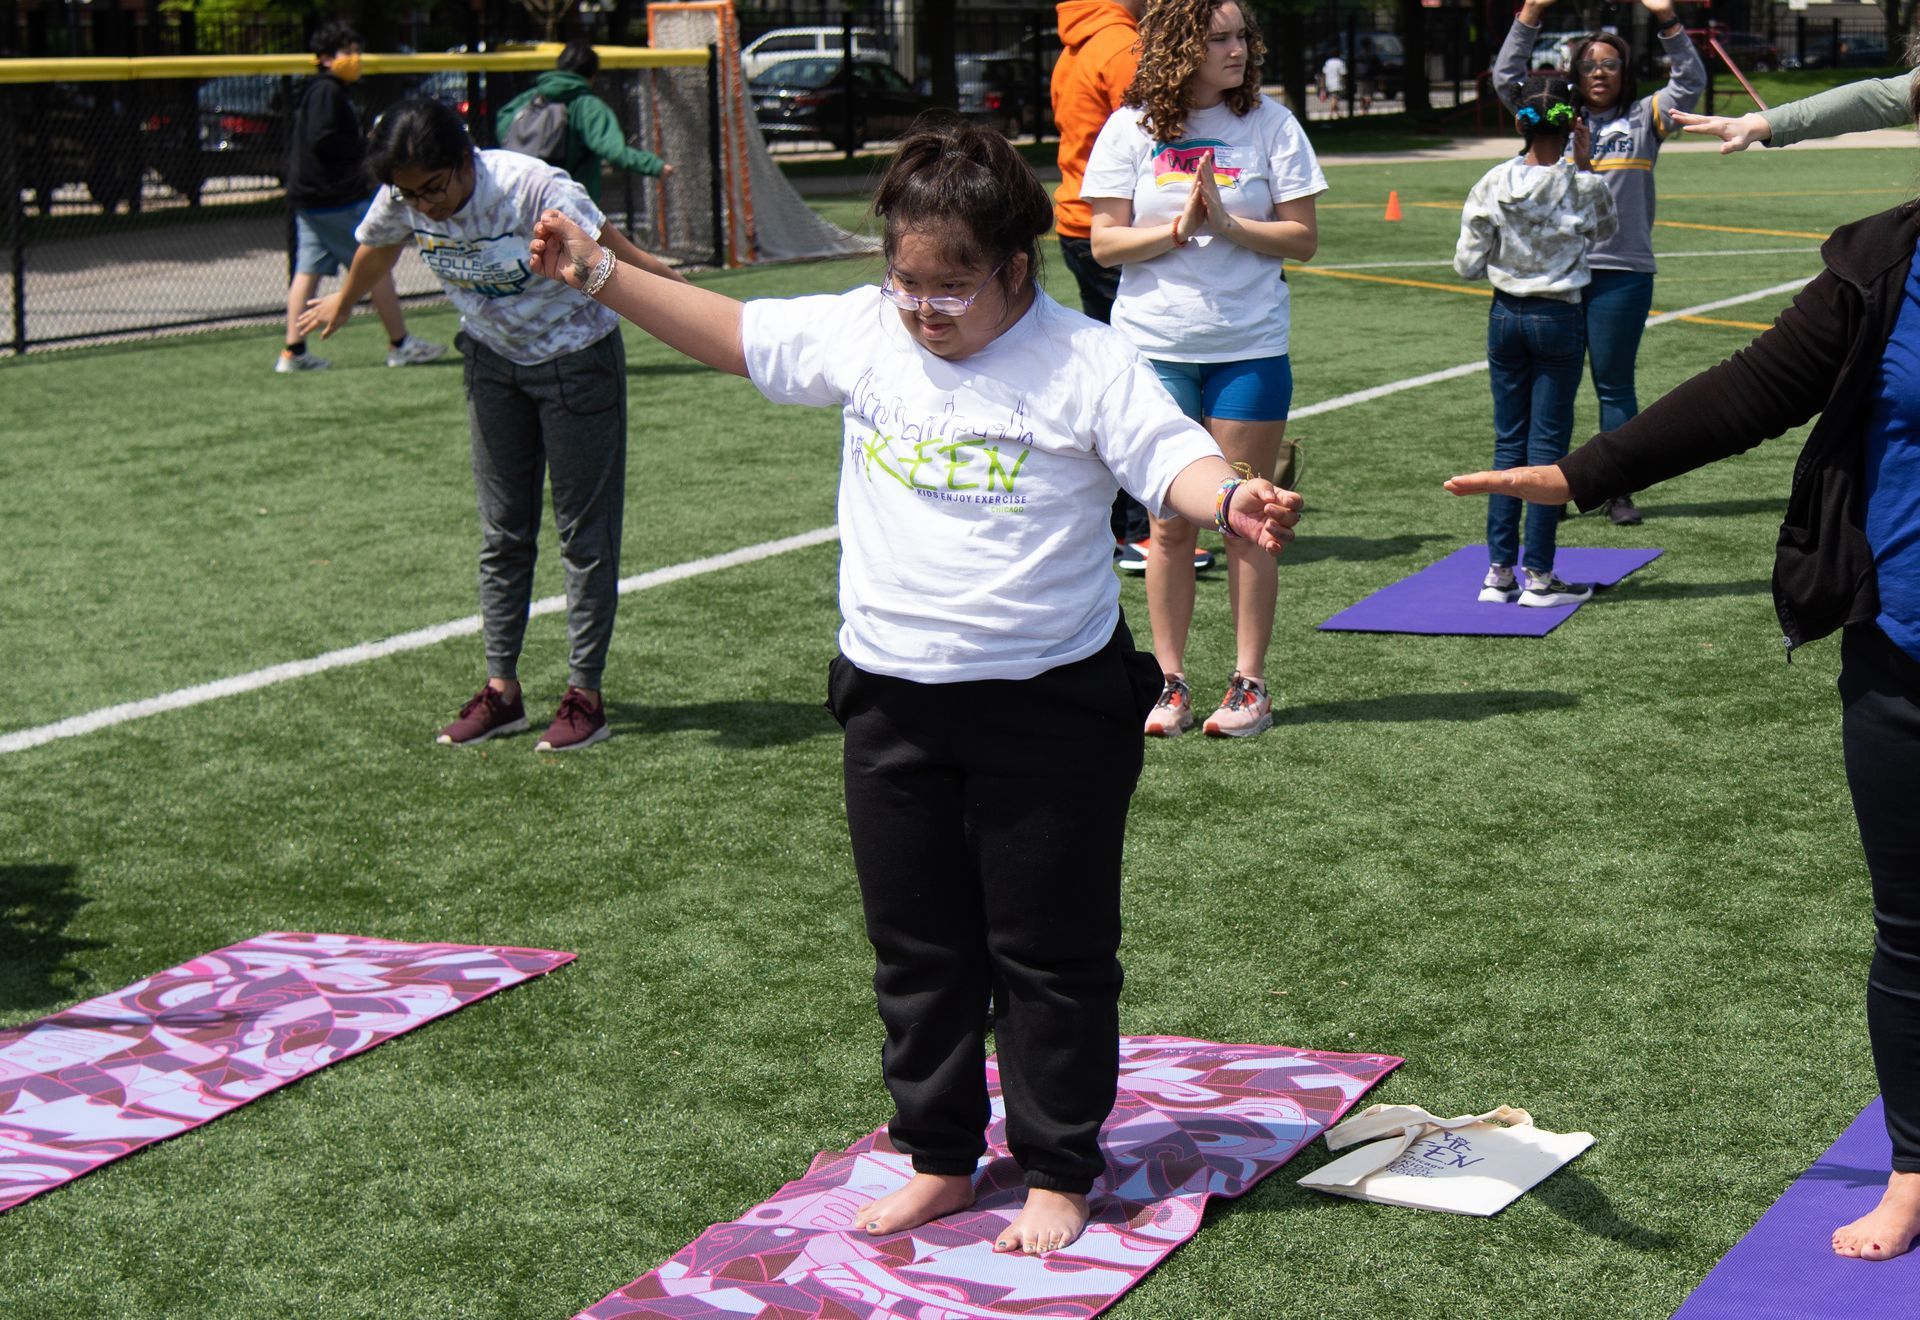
column 1880, row 695
column 987, row 819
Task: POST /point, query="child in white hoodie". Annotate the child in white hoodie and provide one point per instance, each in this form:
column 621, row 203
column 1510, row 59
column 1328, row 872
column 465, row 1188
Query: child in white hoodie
column 1527, row 227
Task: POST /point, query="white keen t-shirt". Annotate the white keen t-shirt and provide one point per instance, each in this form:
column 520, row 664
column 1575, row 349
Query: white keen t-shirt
column 1210, row 300
column 974, row 495
column 481, row 259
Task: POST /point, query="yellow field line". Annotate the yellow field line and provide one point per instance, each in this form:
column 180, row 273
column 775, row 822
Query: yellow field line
column 1479, row 291
column 1735, row 229
column 1471, row 290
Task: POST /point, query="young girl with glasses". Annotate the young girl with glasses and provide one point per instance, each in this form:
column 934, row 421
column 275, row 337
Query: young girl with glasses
column 988, row 685
column 1201, row 189
column 546, row 383
column 1626, row 131
column 1528, row 226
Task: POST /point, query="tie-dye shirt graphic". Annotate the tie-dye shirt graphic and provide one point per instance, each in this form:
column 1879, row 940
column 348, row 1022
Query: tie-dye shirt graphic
column 1211, row 300
column 481, row 259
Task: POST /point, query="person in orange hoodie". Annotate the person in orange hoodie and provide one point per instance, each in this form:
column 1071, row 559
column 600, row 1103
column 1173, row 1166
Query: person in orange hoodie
column 1099, row 53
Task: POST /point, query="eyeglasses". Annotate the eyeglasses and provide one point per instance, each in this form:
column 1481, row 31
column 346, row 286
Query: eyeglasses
column 1610, row 64
column 908, row 302
column 426, row 196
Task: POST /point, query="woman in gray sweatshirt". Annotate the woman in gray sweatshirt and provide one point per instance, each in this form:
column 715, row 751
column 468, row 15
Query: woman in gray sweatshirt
column 1626, row 133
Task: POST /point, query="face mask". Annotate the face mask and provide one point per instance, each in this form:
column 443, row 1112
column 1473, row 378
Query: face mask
column 346, row 67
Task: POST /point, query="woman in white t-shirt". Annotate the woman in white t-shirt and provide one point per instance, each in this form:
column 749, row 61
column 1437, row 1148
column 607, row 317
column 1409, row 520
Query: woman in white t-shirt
column 546, row 380
column 989, row 688
column 1201, row 188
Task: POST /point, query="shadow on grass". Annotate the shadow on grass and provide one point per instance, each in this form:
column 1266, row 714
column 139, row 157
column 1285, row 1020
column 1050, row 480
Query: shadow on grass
column 37, row 903
column 1357, row 549
column 1427, row 707
column 736, row 725
column 1697, row 590
column 1719, row 508
column 1576, row 1200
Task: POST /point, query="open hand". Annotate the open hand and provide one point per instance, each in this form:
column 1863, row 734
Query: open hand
column 1208, row 186
column 1535, row 485
column 1582, row 143
column 1266, row 515
column 326, row 314
column 1734, row 134
column 562, row 250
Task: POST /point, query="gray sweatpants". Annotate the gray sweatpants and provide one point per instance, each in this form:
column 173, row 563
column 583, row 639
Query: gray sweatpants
column 567, row 417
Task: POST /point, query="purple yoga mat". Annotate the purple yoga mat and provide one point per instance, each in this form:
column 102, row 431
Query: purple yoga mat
column 1193, row 1119
column 1784, row 1269
column 107, row 1077
column 1441, row 599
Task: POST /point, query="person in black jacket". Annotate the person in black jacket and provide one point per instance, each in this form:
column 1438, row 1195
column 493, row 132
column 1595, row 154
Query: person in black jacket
column 1848, row 560
column 329, row 191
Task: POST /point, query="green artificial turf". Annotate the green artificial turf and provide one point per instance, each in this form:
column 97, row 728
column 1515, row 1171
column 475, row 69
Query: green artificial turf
column 1609, row 875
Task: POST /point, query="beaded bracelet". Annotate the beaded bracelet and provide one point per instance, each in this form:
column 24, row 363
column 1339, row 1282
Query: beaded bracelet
column 602, row 272
column 1222, row 502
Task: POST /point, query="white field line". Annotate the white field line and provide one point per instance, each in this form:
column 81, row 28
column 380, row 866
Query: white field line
column 1663, row 256
column 108, row 716
column 181, row 698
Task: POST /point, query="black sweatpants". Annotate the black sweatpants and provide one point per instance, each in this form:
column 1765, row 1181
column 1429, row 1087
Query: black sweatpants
column 987, row 820
column 1880, row 735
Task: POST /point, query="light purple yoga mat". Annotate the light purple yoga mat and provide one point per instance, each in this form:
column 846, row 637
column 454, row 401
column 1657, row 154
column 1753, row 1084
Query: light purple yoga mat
column 1784, row 1269
column 1442, row 599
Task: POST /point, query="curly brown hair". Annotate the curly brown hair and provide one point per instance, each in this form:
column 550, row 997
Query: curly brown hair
column 1173, row 46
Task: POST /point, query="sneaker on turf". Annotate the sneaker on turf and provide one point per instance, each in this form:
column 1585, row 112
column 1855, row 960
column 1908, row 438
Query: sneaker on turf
column 1499, row 587
column 1132, row 557
column 289, row 363
column 1623, row 512
column 575, row 725
column 412, row 351
column 1244, row 711
column 489, row 714
column 1544, row 589
column 1172, row 715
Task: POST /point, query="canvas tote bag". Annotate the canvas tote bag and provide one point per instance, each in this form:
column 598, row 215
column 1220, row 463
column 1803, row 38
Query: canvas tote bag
column 1475, row 1164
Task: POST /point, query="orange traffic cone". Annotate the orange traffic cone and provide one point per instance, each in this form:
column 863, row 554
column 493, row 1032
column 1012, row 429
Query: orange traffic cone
column 1393, row 205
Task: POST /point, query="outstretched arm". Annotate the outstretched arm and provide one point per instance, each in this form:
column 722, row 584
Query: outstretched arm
column 698, row 322
column 1260, row 511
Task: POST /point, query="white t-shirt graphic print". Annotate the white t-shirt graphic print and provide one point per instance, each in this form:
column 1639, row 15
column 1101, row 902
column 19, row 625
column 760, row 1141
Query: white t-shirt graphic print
column 1211, row 300
column 481, row 259
column 974, row 495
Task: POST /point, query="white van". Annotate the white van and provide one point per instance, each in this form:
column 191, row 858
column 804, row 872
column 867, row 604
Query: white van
column 767, row 50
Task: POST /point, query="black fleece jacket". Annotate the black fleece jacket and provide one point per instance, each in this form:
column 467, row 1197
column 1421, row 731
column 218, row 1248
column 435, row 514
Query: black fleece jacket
column 1821, row 356
column 325, row 148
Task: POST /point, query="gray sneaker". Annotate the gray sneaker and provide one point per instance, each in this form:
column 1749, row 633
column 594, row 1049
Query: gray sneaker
column 1545, row 590
column 1498, row 587
column 289, row 363
column 412, row 351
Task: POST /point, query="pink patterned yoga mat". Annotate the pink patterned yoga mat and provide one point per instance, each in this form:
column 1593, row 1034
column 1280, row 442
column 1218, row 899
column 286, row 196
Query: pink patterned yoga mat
column 1194, row 1119
column 84, row 1087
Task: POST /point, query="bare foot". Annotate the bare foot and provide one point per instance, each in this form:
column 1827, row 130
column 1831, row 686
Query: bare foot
column 1048, row 1222
column 1889, row 1229
column 927, row 1196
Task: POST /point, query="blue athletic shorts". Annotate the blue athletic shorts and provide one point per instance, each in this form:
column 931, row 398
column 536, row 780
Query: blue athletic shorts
column 325, row 240
column 1253, row 390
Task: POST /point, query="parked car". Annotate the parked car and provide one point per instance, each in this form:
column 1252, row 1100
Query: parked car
column 243, row 126
column 794, row 43
column 1751, row 52
column 1005, row 89
column 449, row 88
column 1390, row 59
column 806, row 98
column 1858, row 50
column 107, row 138
column 1554, row 50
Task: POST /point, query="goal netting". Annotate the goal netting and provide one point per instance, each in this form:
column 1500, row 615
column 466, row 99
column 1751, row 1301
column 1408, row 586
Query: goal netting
column 762, row 217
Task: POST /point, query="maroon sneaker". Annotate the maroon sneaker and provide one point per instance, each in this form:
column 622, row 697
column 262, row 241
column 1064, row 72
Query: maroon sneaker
column 575, row 725
column 488, row 714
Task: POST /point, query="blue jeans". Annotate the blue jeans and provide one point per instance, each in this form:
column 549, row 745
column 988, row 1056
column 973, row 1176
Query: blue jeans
column 1535, row 350
column 1616, row 306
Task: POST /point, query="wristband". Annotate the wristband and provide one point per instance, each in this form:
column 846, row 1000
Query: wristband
column 602, row 272
column 1177, row 240
column 1222, row 502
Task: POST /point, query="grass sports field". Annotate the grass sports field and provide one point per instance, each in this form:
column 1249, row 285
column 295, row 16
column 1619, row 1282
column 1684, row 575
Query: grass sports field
column 1610, row 875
